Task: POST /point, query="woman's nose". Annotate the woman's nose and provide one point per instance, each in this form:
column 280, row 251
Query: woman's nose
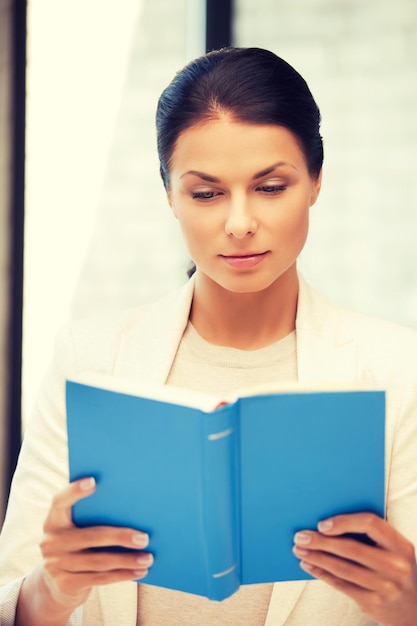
column 240, row 220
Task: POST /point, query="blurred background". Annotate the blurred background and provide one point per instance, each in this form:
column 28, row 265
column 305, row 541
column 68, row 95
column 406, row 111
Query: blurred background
column 97, row 233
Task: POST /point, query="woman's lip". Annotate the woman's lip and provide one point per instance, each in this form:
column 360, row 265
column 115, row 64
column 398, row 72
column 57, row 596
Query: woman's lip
column 244, row 261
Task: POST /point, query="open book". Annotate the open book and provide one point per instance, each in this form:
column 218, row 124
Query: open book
column 222, row 484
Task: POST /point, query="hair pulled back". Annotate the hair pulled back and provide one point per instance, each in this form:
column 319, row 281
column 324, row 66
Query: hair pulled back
column 249, row 84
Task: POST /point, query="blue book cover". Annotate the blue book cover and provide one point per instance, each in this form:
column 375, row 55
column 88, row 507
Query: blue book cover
column 223, row 488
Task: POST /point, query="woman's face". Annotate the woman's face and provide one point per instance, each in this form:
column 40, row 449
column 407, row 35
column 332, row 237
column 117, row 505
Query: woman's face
column 241, row 193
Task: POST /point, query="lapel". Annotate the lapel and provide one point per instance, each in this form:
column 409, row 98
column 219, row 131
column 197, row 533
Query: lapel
column 326, row 352
column 148, row 348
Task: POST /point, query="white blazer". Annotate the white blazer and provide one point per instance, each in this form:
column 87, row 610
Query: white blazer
column 333, row 345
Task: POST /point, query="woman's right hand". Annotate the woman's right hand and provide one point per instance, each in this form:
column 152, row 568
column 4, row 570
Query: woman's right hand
column 70, row 568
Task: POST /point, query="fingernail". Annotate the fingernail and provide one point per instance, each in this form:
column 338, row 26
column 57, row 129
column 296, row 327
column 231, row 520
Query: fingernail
column 306, row 566
column 140, row 573
column 326, row 524
column 145, row 560
column 300, row 551
column 140, row 539
column 86, row 484
column 302, row 538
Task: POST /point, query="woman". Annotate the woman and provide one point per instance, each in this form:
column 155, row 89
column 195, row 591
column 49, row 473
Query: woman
column 241, row 157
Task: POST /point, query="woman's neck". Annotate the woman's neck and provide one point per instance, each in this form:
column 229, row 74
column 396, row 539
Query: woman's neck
column 245, row 320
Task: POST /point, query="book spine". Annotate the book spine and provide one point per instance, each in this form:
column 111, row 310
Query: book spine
column 220, row 489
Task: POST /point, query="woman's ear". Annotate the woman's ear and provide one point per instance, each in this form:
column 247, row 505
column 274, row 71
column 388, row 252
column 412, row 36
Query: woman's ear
column 316, row 188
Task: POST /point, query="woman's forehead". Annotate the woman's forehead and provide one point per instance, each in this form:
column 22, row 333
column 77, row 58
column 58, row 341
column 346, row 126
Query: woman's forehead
column 229, row 143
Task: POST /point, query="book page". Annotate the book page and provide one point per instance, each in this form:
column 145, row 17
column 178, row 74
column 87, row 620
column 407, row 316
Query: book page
column 200, row 400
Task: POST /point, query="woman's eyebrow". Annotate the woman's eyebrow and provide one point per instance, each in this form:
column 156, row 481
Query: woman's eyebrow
column 213, row 179
column 272, row 168
column 202, row 175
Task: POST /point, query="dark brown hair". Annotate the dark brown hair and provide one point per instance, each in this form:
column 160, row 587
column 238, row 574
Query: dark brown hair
column 250, row 84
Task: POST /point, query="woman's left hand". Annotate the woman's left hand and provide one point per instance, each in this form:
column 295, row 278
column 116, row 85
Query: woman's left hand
column 380, row 578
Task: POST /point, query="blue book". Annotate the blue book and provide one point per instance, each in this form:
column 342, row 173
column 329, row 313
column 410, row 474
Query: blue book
column 222, row 487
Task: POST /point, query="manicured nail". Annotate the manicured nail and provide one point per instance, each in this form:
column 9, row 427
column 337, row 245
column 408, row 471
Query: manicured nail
column 140, row 540
column 325, row 525
column 302, row 538
column 306, row 566
column 300, row 552
column 140, row 573
column 87, row 484
column 145, row 560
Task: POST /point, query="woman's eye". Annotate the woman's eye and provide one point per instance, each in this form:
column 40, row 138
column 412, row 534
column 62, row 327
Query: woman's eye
column 271, row 189
column 204, row 195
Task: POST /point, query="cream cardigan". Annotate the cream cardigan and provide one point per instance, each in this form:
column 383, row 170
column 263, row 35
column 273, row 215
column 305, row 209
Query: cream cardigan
column 333, row 345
